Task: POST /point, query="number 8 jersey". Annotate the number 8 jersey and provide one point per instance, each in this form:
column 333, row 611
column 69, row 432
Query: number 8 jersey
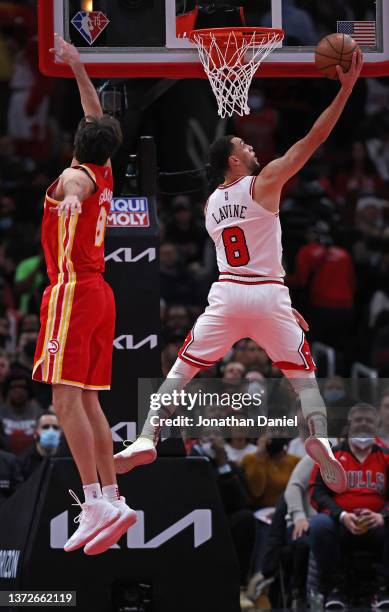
column 246, row 235
column 76, row 244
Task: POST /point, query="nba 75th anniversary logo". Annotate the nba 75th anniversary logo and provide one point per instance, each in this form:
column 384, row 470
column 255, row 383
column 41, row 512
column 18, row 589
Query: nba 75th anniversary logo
column 90, row 25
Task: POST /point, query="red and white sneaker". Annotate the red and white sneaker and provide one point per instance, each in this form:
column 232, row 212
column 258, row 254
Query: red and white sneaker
column 332, row 471
column 93, row 518
column 141, row 452
column 110, row 535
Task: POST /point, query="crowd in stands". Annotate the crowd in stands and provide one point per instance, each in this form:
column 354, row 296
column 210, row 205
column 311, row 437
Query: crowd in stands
column 336, row 254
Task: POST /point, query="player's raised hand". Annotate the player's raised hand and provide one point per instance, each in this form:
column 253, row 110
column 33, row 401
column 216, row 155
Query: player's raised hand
column 69, row 205
column 65, row 52
column 348, row 79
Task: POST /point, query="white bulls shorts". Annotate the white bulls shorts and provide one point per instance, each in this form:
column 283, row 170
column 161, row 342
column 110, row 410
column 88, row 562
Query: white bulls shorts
column 248, row 307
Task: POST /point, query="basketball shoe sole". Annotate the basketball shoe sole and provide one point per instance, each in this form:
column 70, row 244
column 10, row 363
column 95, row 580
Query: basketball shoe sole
column 141, row 452
column 111, row 534
column 331, row 470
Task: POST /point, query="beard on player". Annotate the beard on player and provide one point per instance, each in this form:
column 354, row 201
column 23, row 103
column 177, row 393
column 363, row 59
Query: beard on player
column 255, row 167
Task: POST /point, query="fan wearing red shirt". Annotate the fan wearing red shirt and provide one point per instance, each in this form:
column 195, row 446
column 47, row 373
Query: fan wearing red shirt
column 358, row 517
column 74, row 348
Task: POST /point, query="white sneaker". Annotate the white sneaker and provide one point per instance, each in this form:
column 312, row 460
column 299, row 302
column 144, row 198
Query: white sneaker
column 141, row 452
column 332, row 471
column 110, row 535
column 93, row 517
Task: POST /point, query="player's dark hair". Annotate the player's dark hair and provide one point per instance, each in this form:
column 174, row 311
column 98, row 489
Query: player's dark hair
column 96, row 139
column 219, row 152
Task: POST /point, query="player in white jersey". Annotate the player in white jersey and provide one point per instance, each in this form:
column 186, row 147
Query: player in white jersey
column 250, row 298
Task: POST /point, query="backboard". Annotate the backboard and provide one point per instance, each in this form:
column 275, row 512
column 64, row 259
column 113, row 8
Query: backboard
column 148, row 38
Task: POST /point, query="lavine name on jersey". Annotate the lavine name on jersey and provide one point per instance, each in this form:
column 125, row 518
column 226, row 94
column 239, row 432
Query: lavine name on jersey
column 230, row 211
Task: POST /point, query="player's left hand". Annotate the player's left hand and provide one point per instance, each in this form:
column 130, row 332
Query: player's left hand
column 300, row 320
column 65, row 52
column 349, row 78
column 69, row 205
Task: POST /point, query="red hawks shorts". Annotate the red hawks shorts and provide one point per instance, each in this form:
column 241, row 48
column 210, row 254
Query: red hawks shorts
column 248, row 307
column 75, row 341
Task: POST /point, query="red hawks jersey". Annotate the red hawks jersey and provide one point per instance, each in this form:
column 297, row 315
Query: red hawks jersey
column 246, row 235
column 75, row 244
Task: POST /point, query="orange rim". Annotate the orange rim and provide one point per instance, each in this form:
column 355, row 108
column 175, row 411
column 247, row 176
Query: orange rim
column 244, row 34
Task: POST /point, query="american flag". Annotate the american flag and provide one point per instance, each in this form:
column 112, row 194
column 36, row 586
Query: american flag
column 363, row 32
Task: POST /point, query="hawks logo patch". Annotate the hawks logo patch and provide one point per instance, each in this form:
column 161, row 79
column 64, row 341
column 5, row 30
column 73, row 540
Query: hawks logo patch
column 53, row 346
column 90, row 24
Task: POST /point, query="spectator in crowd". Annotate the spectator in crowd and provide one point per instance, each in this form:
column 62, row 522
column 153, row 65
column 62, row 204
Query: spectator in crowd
column 338, row 401
column 7, row 342
column 383, row 414
column 359, row 176
column 19, row 412
column 4, row 371
column 326, row 273
column 251, row 356
column 25, row 352
column 30, row 323
column 267, row 473
column 46, row 443
column 238, row 445
column 234, row 497
column 184, row 230
column 177, row 320
column 380, row 300
column 10, row 475
column 300, row 512
column 29, row 281
column 356, row 518
column 369, row 218
column 176, row 285
column 233, row 371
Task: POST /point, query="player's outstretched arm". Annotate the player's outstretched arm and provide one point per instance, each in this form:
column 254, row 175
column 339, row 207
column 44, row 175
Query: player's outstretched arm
column 279, row 171
column 77, row 187
column 67, row 53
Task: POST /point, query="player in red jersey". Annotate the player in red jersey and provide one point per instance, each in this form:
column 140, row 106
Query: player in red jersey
column 74, row 348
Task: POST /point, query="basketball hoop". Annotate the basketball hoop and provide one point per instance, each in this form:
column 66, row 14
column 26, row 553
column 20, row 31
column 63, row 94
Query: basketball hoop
column 231, row 57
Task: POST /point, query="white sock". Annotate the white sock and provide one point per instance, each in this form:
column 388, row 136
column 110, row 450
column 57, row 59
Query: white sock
column 111, row 493
column 92, row 492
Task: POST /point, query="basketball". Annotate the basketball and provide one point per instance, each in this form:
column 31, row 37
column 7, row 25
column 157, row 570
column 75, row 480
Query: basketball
column 333, row 50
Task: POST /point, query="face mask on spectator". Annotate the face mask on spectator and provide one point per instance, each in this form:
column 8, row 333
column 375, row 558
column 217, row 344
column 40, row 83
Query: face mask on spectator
column 363, row 442
column 333, row 395
column 49, row 439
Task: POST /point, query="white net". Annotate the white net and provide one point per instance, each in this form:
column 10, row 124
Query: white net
column 230, row 62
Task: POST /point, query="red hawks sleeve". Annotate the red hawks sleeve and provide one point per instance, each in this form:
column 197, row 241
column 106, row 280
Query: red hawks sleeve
column 322, row 497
